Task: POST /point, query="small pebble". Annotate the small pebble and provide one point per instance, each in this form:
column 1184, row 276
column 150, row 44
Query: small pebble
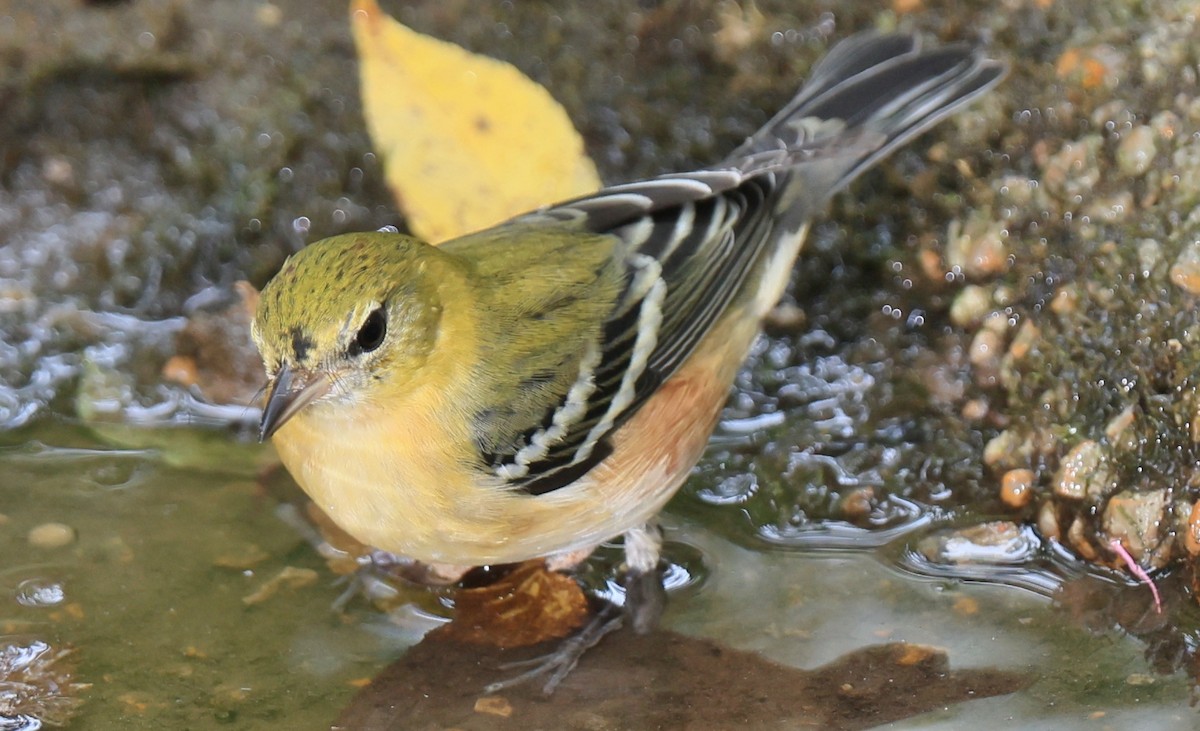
column 977, row 247
column 1149, row 254
column 995, row 543
column 1079, row 541
column 931, row 264
column 51, row 535
column 182, row 370
column 975, row 409
column 1065, row 302
column 1191, row 536
column 858, row 504
column 1047, row 522
column 494, row 705
column 1138, row 519
column 970, row 306
column 1082, row 471
column 1028, row 335
column 1119, row 423
column 1016, row 488
column 1006, row 450
column 986, row 349
column 1185, row 272
column 1136, row 151
column 988, row 256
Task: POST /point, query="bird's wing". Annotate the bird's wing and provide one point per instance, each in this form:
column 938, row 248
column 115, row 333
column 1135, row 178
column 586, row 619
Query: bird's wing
column 684, row 245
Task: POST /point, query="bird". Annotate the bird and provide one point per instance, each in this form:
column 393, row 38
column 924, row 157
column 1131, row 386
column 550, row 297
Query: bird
column 546, row 385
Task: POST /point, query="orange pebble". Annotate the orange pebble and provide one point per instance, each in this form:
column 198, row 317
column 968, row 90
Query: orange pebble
column 1016, row 488
column 1191, row 537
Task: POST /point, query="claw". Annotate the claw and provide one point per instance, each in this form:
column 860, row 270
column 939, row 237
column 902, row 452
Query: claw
column 559, row 664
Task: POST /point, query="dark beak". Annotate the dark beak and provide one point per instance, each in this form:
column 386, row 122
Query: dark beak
column 291, row 391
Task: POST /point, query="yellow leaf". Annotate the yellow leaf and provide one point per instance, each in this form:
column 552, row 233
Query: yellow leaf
column 467, row 141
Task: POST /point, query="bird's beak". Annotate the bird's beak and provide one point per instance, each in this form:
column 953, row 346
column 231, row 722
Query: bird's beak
column 291, row 391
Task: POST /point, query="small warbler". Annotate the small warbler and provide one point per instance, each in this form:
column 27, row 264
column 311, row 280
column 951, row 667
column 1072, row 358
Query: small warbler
column 542, row 386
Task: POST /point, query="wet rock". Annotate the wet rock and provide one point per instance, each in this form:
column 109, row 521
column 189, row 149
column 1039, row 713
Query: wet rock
column 1007, row 450
column 1150, row 256
column 1117, row 427
column 1090, row 67
column 970, row 306
column 1026, row 338
column 1065, row 302
column 1191, row 534
column 1073, row 171
column 51, row 535
column 1137, row 151
column 986, row 349
column 1047, row 521
column 998, row 542
column 1111, row 208
column 1016, row 487
column 1185, row 272
column 1016, row 190
column 977, row 247
column 975, row 409
column 1083, row 472
column 1077, row 538
column 986, row 352
column 858, row 505
column 1138, row 520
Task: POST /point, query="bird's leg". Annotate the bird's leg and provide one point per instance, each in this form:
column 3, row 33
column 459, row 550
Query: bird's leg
column 645, row 599
column 645, row 596
column 558, row 664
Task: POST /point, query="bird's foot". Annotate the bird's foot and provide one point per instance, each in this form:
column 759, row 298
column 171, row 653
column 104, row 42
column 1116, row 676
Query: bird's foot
column 557, row 665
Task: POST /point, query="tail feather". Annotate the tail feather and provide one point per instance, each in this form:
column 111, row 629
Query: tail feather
column 847, row 59
column 870, row 95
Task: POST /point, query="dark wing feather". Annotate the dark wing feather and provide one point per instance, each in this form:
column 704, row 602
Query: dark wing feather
column 689, row 243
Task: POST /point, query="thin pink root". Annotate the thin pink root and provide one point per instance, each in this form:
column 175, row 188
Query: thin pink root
column 1137, row 571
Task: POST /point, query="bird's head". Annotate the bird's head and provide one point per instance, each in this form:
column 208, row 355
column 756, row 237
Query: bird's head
column 346, row 319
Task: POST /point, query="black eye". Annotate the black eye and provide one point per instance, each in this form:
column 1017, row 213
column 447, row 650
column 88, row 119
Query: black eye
column 370, row 335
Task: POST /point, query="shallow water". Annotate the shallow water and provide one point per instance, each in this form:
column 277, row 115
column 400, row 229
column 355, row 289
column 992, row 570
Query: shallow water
column 153, row 589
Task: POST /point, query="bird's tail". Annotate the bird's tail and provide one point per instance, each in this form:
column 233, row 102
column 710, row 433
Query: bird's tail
column 871, row 94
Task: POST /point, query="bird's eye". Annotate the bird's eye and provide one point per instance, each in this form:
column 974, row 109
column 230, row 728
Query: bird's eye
column 370, row 335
